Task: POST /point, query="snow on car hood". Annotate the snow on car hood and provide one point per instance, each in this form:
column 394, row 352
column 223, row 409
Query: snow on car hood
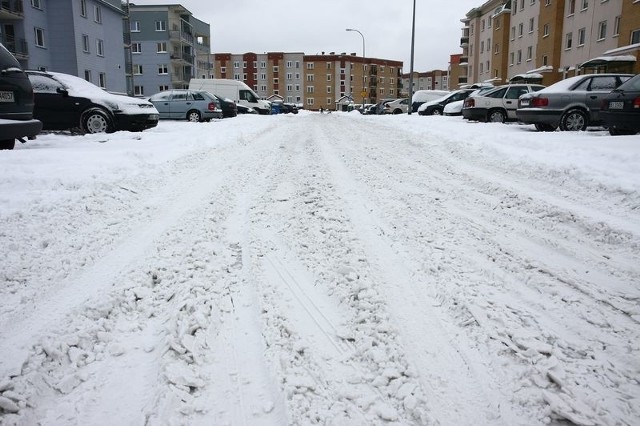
column 80, row 87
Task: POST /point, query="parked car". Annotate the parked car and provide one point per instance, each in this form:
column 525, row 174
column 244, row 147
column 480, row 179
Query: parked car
column 243, row 109
column 64, row 101
column 421, row 96
column 397, row 106
column 497, row 105
column 229, row 107
column 571, row 104
column 16, row 103
column 185, row 104
column 453, row 108
column 436, row 107
column 621, row 108
column 284, row 107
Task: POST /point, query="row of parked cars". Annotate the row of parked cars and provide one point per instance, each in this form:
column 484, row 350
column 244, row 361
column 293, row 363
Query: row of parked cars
column 31, row 101
column 573, row 104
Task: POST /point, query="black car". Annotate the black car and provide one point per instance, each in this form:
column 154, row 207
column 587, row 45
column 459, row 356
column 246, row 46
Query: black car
column 243, row 109
column 229, row 107
column 65, row 102
column 16, row 103
column 436, row 107
column 620, row 110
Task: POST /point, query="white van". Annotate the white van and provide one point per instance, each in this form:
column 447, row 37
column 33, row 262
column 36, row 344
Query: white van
column 232, row 89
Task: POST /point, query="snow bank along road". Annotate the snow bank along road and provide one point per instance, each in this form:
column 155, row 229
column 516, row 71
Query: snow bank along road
column 318, row 269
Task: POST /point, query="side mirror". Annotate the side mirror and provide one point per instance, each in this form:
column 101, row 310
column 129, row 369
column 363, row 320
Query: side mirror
column 62, row 91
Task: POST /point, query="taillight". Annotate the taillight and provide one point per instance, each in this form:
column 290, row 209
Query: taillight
column 539, row 102
column 469, row 103
column 636, row 102
column 604, row 105
column 212, row 106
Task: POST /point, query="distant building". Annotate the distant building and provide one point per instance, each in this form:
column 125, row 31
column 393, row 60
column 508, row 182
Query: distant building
column 169, row 46
column 429, row 80
column 78, row 37
column 316, row 81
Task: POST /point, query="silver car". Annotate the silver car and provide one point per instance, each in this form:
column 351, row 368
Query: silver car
column 571, row 104
column 497, row 105
column 182, row 104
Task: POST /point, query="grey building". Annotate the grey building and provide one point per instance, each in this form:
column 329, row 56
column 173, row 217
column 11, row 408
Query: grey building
column 169, row 46
column 79, row 37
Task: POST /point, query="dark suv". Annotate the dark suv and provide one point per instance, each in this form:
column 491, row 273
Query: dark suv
column 16, row 103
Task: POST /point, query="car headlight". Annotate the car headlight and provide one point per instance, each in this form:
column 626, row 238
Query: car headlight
column 112, row 106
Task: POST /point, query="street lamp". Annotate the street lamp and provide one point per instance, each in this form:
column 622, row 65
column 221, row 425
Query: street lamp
column 413, row 37
column 364, row 78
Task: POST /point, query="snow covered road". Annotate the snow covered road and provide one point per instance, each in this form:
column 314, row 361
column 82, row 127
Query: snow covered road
column 330, row 269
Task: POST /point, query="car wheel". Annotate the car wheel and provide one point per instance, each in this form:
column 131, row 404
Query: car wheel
column 436, row 111
column 573, row 120
column 613, row 131
column 542, row 127
column 7, row 143
column 193, row 116
column 496, row 116
column 96, row 120
column 397, row 111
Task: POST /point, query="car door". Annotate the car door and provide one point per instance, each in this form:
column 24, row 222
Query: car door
column 53, row 104
column 598, row 88
column 178, row 105
column 510, row 99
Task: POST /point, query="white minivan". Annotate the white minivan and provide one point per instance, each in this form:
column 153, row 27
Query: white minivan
column 232, row 89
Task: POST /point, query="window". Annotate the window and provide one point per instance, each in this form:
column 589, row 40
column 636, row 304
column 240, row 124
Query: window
column 310, row 65
column 236, row 76
column 328, row 65
column 572, row 7
column 99, row 47
column 289, row 76
column 135, row 26
column 547, row 2
column 309, row 89
column 582, row 32
column 309, row 101
column 289, row 64
column 244, row 64
column 136, row 48
column 531, row 24
column 137, row 69
column 568, row 41
column 513, row 33
column 163, row 69
column 585, row 4
column 328, row 77
column 602, row 30
column 482, row 25
column 244, row 77
column 521, row 4
column 87, row 75
column 236, row 64
column 83, row 8
column 97, row 14
column 275, row 68
column 519, row 56
column 481, row 68
column 223, row 70
column 255, row 64
column 529, row 53
column 545, row 60
column 36, row 4
column 161, row 25
column 532, row 2
column 309, row 77
column 163, row 87
column 138, row 90
column 85, row 43
column 520, row 29
column 635, row 37
column 616, row 26
column 545, row 30
column 497, row 48
column 102, row 80
column 482, row 47
column 511, row 58
column 263, row 65
column 161, row 47
column 263, row 76
column 328, row 89
column 39, row 32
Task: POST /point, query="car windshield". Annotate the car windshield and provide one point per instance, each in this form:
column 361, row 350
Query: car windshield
column 78, row 86
column 632, row 84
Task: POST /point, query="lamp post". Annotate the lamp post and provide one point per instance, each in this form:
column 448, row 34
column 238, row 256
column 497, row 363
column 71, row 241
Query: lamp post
column 364, row 78
column 413, row 37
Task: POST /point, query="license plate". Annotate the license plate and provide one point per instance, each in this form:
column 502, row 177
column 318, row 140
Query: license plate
column 616, row 105
column 524, row 102
column 6, row 96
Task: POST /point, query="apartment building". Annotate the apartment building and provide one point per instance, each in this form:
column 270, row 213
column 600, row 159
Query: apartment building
column 277, row 74
column 316, row 81
column 457, row 73
column 168, row 47
column 79, row 37
column 547, row 40
column 332, row 77
column 429, row 80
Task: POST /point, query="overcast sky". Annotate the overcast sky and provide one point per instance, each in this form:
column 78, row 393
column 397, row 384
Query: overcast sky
column 314, row 26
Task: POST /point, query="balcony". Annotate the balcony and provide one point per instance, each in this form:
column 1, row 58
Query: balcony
column 11, row 10
column 373, row 71
column 181, row 36
column 18, row 47
column 464, row 41
column 184, row 58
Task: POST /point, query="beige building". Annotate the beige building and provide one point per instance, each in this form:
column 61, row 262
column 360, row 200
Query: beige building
column 429, row 80
column 547, row 40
